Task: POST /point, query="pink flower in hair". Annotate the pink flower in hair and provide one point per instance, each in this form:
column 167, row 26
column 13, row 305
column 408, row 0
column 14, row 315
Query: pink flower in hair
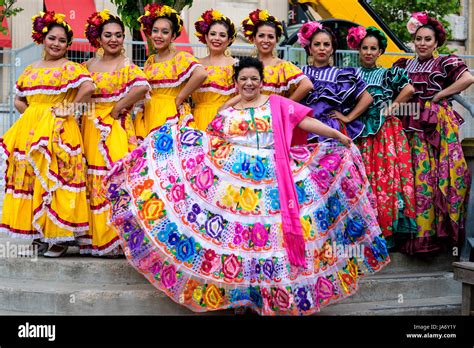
column 355, row 37
column 417, row 20
column 306, row 31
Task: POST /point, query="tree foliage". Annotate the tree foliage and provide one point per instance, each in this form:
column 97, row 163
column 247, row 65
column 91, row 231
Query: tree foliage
column 130, row 10
column 8, row 10
column 397, row 12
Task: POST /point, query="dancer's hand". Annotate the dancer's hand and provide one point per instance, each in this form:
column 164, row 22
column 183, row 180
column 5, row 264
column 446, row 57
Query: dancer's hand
column 116, row 113
column 339, row 115
column 345, row 140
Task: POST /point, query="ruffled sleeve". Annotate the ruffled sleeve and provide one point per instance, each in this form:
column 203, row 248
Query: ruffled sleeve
column 282, row 78
column 171, row 73
column 20, row 87
column 349, row 86
column 51, row 80
column 397, row 78
column 453, row 68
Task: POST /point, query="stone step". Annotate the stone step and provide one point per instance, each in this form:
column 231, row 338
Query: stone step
column 448, row 305
column 26, row 298
column 407, row 286
column 86, row 269
column 57, row 297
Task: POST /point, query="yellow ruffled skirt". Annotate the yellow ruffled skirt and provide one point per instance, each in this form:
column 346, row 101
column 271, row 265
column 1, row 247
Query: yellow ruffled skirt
column 106, row 140
column 45, row 177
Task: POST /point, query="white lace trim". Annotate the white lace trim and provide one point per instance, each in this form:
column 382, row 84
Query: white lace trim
column 101, row 210
column 99, row 172
column 111, row 250
column 9, row 233
column 285, row 87
column 121, row 95
column 104, row 134
column 3, row 167
column 19, row 195
column 216, row 90
column 53, row 92
column 176, row 83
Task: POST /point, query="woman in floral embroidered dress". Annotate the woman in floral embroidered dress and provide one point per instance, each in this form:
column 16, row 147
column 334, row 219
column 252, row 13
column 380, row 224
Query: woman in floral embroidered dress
column 45, row 195
column 236, row 217
column 108, row 133
column 442, row 178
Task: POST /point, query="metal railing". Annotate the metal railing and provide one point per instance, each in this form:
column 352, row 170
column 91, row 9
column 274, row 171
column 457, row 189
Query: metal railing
column 15, row 61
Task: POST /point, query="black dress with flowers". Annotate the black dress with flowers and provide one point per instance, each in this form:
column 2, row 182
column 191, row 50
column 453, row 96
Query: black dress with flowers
column 198, row 214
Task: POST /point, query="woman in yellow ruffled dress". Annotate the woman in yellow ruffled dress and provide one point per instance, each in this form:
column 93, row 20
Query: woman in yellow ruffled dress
column 280, row 76
column 45, row 196
column 173, row 75
column 218, row 33
column 108, row 134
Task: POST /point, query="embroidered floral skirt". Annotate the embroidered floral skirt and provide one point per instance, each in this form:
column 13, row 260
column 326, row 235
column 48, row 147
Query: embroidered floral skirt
column 388, row 165
column 106, row 140
column 199, row 217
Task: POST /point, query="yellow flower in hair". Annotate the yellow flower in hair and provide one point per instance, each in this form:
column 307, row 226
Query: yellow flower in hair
column 263, row 15
column 34, row 17
column 59, row 17
column 41, row 14
column 216, row 15
column 45, row 30
column 147, row 13
column 104, row 14
column 166, row 11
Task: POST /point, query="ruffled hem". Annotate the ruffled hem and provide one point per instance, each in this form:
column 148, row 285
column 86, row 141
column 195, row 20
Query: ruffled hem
column 113, row 248
column 279, row 88
column 170, row 83
column 73, row 227
column 59, row 182
column 104, row 130
column 4, row 155
column 118, row 95
column 52, row 90
column 19, row 234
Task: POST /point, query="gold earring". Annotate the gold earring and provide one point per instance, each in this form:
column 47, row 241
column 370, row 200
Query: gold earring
column 310, row 60
column 43, row 55
column 228, row 52
column 331, row 61
column 123, row 52
column 99, row 52
column 172, row 48
column 275, row 53
column 208, row 51
column 435, row 53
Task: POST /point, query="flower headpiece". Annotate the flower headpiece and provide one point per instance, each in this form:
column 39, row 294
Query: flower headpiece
column 204, row 22
column 419, row 19
column 306, row 32
column 155, row 11
column 43, row 20
column 94, row 22
column 356, row 35
column 251, row 23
